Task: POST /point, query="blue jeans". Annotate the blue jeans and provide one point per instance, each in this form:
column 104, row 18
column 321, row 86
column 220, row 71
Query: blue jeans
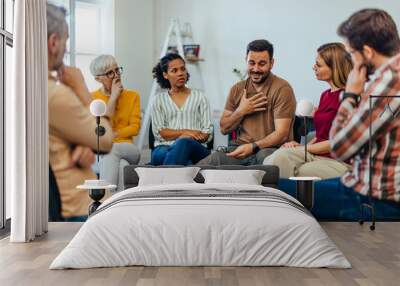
column 185, row 151
column 333, row 201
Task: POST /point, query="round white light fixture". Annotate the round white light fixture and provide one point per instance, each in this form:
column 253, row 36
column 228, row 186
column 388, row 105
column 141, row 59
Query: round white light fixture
column 98, row 107
column 304, row 108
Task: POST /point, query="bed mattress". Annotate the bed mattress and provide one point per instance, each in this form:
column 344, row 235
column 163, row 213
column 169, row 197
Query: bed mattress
column 201, row 225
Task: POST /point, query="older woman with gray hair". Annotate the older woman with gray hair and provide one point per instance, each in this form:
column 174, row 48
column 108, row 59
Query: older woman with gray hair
column 123, row 109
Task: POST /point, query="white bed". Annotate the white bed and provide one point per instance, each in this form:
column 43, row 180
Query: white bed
column 224, row 225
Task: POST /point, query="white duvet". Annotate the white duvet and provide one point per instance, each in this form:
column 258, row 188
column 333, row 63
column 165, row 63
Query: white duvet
column 188, row 231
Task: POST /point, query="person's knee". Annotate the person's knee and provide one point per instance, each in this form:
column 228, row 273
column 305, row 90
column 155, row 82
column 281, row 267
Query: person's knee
column 324, row 170
column 184, row 141
column 278, row 156
column 216, row 158
column 127, row 151
column 133, row 157
column 264, row 153
column 312, row 170
column 212, row 159
column 121, row 149
column 158, row 155
column 305, row 170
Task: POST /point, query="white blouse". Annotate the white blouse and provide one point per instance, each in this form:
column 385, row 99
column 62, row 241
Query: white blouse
column 195, row 114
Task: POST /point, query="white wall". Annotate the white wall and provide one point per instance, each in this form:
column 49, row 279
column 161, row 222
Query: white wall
column 134, row 44
column 223, row 28
column 296, row 28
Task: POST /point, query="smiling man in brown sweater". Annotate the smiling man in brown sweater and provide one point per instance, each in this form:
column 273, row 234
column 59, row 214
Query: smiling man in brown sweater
column 261, row 109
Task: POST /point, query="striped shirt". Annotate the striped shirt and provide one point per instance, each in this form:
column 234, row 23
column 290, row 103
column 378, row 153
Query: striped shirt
column 195, row 114
column 349, row 136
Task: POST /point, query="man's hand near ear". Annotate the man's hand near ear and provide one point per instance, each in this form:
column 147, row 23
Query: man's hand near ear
column 358, row 75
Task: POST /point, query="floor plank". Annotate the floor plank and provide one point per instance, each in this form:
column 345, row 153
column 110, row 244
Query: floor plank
column 374, row 255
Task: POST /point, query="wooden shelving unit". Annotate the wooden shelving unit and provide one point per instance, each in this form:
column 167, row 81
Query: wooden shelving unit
column 193, row 59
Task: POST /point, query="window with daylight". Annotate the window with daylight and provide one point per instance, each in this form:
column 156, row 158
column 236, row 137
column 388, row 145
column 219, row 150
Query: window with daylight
column 91, row 33
column 6, row 44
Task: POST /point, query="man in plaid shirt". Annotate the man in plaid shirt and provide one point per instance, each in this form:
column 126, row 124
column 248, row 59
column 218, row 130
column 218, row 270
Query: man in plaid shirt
column 372, row 39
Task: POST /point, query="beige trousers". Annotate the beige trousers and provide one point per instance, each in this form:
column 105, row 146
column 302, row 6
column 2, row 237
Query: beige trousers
column 291, row 163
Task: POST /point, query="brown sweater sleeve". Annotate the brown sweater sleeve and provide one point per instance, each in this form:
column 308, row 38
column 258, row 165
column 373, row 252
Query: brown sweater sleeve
column 284, row 103
column 72, row 121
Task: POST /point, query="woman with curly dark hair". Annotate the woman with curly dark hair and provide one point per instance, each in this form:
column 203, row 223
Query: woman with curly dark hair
column 181, row 116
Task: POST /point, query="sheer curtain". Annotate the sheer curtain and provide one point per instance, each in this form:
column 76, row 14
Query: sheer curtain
column 27, row 124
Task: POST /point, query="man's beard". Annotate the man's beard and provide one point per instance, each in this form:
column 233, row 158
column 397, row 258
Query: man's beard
column 370, row 69
column 369, row 66
column 264, row 76
column 58, row 65
column 59, row 61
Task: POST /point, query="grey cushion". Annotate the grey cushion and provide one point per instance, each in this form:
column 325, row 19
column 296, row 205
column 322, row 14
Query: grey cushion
column 270, row 179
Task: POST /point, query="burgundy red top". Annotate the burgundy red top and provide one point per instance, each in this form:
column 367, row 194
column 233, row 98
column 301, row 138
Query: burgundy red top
column 325, row 114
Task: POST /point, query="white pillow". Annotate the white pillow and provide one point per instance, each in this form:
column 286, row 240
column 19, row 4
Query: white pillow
column 248, row 177
column 166, row 176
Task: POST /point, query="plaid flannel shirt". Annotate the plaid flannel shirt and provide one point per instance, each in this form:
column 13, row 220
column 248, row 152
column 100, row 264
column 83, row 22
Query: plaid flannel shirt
column 350, row 134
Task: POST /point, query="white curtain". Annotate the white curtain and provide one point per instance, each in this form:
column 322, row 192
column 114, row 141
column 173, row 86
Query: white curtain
column 27, row 124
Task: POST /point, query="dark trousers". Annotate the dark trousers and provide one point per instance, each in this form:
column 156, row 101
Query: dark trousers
column 185, row 151
column 220, row 158
column 334, row 201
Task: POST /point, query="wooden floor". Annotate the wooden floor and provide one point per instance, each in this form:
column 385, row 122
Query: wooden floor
column 375, row 257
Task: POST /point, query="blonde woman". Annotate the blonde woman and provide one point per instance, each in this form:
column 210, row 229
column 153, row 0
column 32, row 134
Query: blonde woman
column 333, row 64
column 123, row 108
